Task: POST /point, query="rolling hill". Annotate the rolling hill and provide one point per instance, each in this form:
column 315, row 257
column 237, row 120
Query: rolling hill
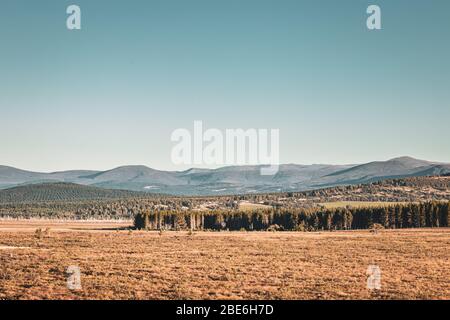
column 230, row 180
column 62, row 191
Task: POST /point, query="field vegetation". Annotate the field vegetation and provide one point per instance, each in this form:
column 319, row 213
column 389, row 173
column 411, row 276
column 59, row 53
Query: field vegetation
column 123, row 264
column 359, row 204
column 401, row 226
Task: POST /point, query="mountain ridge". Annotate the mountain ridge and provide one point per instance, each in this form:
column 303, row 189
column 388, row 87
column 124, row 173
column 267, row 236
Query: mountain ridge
column 229, row 179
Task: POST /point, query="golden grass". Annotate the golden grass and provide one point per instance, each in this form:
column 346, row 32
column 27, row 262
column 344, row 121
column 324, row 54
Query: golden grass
column 358, row 204
column 248, row 206
column 415, row 264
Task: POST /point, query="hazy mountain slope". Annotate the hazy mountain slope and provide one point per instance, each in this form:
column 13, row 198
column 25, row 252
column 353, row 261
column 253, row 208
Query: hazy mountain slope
column 295, row 174
column 231, row 179
column 10, row 176
column 72, row 175
column 398, row 167
column 133, row 178
column 440, row 169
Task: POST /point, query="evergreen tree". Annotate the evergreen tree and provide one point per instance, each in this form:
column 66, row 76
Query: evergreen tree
column 446, row 215
column 422, row 216
column 407, row 217
column 398, row 217
column 384, row 217
column 415, row 216
column 435, row 216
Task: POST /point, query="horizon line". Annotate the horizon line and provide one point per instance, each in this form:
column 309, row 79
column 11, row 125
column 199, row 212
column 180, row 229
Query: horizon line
column 225, row 166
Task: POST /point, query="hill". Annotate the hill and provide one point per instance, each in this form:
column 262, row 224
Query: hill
column 48, row 192
column 63, row 200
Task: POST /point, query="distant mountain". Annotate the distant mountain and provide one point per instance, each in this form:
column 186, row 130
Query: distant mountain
column 60, row 191
column 133, row 178
column 10, row 176
column 232, row 179
column 377, row 170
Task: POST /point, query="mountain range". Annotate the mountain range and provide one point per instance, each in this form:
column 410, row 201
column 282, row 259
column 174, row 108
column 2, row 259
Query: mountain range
column 229, row 180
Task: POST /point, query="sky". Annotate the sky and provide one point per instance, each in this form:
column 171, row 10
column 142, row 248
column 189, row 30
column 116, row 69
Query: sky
column 112, row 93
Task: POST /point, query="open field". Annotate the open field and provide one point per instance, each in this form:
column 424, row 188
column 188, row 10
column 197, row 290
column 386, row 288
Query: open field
column 11, row 225
column 359, row 204
column 248, row 206
column 122, row 264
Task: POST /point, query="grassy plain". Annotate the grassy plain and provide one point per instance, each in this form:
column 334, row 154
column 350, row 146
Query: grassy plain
column 123, row 264
column 249, row 206
column 359, row 204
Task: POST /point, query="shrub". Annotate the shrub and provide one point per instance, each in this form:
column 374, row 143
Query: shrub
column 142, row 221
column 274, row 228
column 375, row 227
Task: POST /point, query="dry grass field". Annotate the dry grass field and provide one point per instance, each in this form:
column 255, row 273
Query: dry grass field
column 359, row 204
column 248, row 206
column 122, row 264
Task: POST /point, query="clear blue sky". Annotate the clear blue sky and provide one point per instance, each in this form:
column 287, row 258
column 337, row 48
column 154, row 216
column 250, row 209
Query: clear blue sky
column 112, row 93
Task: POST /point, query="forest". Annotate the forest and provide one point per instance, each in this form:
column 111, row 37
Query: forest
column 397, row 203
column 431, row 214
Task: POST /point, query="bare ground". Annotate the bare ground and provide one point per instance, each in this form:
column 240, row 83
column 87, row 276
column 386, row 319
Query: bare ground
column 122, row 264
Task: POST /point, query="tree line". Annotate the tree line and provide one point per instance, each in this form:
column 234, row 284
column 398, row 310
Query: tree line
column 412, row 215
